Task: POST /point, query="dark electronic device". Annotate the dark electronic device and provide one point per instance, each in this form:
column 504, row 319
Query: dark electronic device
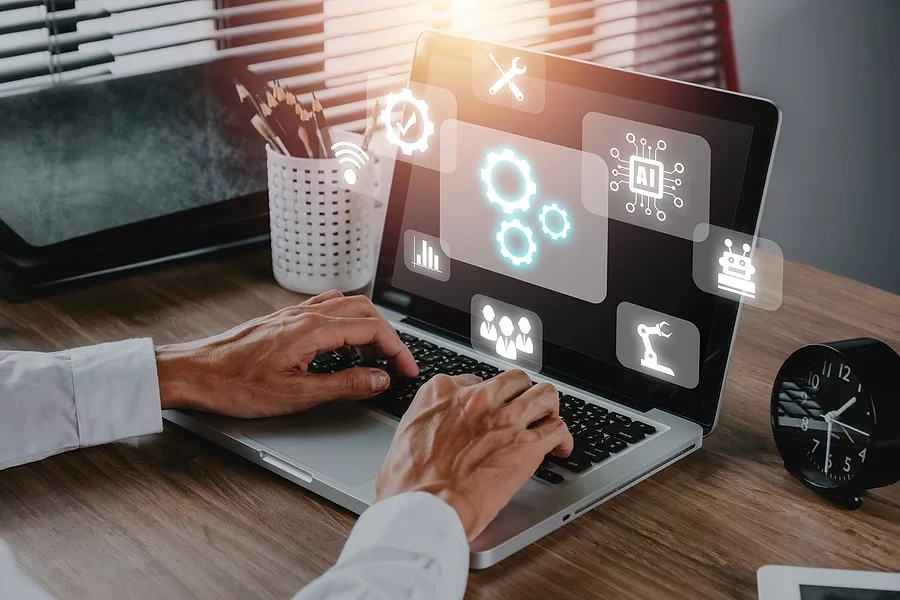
column 835, row 415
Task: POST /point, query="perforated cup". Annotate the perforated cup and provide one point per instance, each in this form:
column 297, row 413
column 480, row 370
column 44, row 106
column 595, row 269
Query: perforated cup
column 322, row 232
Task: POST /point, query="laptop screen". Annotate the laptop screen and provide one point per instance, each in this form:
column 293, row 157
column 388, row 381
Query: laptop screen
column 549, row 220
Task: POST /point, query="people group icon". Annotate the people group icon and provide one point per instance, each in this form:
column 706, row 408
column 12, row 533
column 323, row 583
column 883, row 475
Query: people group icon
column 508, row 343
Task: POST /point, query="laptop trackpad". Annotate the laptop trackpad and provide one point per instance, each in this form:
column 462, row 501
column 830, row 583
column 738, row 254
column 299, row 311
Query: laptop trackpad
column 337, row 440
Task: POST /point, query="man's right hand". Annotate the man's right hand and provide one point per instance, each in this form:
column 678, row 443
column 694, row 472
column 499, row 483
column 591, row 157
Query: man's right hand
column 474, row 444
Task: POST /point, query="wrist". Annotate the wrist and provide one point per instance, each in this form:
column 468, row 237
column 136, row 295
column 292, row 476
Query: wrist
column 464, row 509
column 180, row 377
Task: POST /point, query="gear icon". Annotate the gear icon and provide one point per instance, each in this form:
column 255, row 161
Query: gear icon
column 553, row 207
column 524, row 259
column 427, row 130
column 487, row 176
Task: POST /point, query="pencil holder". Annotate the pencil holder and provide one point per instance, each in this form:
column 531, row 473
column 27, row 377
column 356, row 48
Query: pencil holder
column 322, row 232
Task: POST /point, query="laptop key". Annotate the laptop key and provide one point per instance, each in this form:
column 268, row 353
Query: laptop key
column 612, row 444
column 595, row 454
column 596, row 410
column 574, row 462
column 549, row 476
column 614, row 416
column 568, row 399
column 624, row 433
column 646, row 428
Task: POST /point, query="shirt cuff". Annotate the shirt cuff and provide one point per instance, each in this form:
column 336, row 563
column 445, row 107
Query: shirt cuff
column 417, row 523
column 116, row 391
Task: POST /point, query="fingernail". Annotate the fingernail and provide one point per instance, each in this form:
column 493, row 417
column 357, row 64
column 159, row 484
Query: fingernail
column 380, row 380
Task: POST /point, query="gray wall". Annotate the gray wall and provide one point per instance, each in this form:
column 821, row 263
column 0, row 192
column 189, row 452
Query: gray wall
column 833, row 66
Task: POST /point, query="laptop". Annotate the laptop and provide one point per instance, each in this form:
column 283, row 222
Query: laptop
column 545, row 220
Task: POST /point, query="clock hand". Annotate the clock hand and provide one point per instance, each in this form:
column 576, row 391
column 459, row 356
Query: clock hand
column 850, row 427
column 840, row 411
column 828, row 446
column 847, row 433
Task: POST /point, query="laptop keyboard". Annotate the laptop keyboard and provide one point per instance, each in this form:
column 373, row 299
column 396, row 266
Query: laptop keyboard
column 599, row 433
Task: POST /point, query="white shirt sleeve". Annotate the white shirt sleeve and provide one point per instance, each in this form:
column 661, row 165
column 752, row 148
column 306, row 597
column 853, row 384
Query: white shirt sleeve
column 50, row 403
column 409, row 547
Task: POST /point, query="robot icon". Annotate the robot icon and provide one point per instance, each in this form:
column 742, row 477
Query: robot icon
column 737, row 271
column 651, row 359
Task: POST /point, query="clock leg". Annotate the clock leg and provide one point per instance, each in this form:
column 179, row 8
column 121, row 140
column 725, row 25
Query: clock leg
column 851, row 500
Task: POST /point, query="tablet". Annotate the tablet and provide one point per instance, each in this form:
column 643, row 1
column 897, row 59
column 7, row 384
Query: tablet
column 126, row 171
column 802, row 583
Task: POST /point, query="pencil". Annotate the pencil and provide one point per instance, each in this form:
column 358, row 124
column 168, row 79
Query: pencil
column 309, row 126
column 304, row 137
column 322, row 126
column 266, row 131
column 370, row 124
column 263, row 130
column 279, row 132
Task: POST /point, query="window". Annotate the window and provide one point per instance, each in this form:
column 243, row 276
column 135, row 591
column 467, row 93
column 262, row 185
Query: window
column 329, row 46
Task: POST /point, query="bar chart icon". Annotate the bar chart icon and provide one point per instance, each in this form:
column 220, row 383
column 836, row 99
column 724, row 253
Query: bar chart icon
column 427, row 259
column 424, row 254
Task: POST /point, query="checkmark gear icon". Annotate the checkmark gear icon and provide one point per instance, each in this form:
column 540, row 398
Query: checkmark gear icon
column 404, row 129
column 394, row 130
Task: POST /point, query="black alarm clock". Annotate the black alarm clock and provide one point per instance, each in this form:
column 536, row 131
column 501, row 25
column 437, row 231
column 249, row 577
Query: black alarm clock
column 835, row 414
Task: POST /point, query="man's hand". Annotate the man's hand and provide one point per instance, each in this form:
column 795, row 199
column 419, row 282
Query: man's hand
column 474, row 444
column 259, row 369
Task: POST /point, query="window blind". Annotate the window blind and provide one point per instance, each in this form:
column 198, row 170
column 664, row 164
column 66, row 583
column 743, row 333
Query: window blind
column 331, row 46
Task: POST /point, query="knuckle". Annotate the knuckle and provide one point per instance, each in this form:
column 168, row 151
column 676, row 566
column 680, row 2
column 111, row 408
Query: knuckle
column 547, row 390
column 442, row 382
column 312, row 320
column 355, row 383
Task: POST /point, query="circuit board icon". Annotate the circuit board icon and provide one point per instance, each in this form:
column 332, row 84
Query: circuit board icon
column 653, row 186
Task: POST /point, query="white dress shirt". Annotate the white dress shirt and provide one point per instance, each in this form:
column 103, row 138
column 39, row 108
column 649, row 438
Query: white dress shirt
column 409, row 546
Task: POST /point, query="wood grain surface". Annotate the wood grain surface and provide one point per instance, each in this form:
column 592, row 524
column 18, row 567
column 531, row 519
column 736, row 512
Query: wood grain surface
column 172, row 516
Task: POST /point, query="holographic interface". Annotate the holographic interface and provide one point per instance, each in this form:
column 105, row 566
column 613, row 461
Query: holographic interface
column 507, row 331
column 513, row 206
column 737, row 271
column 659, row 178
column 738, row 266
column 657, row 344
column 506, row 78
column 515, row 238
column 398, row 132
column 647, row 177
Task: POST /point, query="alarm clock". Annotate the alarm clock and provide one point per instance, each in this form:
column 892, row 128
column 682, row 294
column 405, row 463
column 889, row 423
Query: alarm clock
column 835, row 413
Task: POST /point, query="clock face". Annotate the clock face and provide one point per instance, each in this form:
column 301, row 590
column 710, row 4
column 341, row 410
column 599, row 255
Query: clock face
column 823, row 417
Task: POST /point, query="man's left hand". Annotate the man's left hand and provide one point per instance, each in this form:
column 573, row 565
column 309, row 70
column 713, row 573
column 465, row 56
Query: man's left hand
column 260, row 368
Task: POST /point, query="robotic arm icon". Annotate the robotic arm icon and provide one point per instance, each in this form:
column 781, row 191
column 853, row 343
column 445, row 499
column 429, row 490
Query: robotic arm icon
column 650, row 357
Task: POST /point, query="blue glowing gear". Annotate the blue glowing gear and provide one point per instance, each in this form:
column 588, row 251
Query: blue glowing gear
column 529, row 188
column 524, row 259
column 553, row 207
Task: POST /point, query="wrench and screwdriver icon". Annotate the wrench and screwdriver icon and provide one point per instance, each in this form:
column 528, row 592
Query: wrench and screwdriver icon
column 506, row 78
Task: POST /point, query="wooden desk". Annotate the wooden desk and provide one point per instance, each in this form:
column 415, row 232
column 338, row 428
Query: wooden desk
column 172, row 516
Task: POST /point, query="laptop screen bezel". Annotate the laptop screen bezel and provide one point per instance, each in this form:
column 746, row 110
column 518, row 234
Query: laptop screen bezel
column 642, row 392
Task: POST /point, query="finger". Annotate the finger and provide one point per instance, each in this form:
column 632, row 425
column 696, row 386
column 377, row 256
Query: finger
column 358, row 383
column 507, row 385
column 344, row 306
column 323, row 297
column 329, row 333
column 552, row 436
column 466, row 379
column 538, row 402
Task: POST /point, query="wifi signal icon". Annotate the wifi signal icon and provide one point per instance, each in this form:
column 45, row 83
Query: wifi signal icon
column 352, row 158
